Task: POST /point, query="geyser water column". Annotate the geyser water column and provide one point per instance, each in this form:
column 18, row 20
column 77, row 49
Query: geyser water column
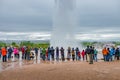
column 63, row 34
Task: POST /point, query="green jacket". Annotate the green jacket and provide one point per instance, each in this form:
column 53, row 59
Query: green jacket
column 95, row 51
column 28, row 50
column 44, row 51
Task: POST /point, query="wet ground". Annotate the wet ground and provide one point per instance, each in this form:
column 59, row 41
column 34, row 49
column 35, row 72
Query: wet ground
column 53, row 70
column 20, row 63
column 9, row 65
column 62, row 71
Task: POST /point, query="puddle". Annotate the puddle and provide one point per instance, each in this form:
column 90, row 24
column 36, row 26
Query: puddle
column 12, row 65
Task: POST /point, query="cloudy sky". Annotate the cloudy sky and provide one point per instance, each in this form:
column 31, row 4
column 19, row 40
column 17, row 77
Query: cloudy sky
column 32, row 19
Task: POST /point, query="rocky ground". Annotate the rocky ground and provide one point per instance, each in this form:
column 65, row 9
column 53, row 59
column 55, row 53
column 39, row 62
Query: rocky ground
column 65, row 71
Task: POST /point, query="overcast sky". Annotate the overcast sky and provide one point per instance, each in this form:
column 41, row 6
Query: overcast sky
column 32, row 19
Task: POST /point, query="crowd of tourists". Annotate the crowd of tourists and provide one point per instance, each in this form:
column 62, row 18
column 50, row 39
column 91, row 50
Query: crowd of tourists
column 50, row 54
column 111, row 53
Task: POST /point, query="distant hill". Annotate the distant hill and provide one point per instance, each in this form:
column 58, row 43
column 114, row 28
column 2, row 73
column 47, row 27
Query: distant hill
column 18, row 41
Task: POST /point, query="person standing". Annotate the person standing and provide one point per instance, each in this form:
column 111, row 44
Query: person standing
column 83, row 55
column 9, row 52
column 108, row 54
column 43, row 54
column 15, row 50
column 57, row 53
column 73, row 54
column 4, row 53
column 36, row 52
column 79, row 55
column 20, row 54
column 105, row 52
column 95, row 55
column 46, row 54
column 23, row 52
column 117, row 53
column 28, row 52
column 52, row 53
column 113, row 57
column 62, row 53
column 49, row 53
column 91, row 55
column 112, row 53
column 77, row 51
column 87, row 52
column 69, row 54
column 0, row 53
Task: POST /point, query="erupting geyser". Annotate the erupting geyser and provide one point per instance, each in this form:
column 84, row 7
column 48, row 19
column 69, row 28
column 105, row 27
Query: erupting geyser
column 63, row 34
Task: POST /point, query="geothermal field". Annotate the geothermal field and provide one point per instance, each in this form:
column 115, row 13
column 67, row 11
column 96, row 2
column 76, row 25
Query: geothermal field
column 63, row 71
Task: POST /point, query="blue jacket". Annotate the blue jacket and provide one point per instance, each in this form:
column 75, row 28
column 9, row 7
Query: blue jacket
column 112, row 52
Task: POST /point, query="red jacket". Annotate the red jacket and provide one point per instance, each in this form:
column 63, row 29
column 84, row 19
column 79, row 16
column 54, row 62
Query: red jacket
column 83, row 53
column 23, row 50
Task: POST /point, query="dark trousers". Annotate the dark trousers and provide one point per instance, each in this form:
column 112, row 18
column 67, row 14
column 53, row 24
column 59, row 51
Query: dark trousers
column 117, row 57
column 73, row 57
column 86, row 57
column 105, row 57
column 43, row 57
column 25, row 56
column 4, row 58
column 17, row 56
column 0, row 55
column 52, row 56
column 9, row 55
column 62, row 57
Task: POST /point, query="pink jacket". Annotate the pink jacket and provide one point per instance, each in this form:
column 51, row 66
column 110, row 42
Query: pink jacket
column 15, row 50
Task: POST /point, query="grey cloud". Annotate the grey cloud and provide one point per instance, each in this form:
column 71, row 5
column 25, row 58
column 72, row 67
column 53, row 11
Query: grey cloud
column 98, row 13
column 39, row 13
column 21, row 15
